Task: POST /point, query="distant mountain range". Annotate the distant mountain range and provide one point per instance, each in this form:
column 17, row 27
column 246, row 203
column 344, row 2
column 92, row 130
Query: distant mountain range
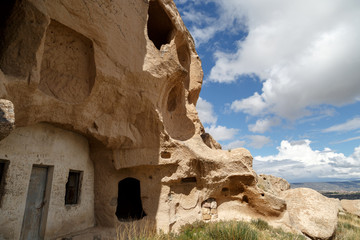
column 345, row 186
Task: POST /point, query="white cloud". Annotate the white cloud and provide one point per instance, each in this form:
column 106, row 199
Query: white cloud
column 258, row 141
column 221, row 133
column 263, row 125
column 206, row 111
column 348, row 140
column 306, row 52
column 235, row 144
column 230, row 21
column 297, row 161
column 253, row 105
column 197, row 18
column 352, row 124
column 208, row 117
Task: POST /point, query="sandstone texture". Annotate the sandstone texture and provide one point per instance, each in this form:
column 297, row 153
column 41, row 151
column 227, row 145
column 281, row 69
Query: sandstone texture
column 107, row 91
column 272, row 184
column 312, row 213
column 351, row 206
column 7, row 118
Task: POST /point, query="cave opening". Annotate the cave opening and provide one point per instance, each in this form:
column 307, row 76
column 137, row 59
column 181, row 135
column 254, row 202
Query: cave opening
column 159, row 25
column 129, row 205
column 6, row 7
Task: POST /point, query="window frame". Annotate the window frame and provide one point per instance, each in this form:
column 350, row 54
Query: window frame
column 69, row 201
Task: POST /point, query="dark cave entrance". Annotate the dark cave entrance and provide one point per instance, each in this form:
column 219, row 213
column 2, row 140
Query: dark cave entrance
column 160, row 27
column 129, row 205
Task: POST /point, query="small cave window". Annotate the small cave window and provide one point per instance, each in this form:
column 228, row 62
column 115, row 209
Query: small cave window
column 72, row 194
column 165, row 154
column 188, row 180
column 4, row 164
column 129, row 205
column 159, row 25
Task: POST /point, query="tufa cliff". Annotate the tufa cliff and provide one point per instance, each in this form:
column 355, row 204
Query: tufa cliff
column 104, row 95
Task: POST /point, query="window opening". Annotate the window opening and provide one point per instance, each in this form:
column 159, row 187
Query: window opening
column 189, row 180
column 129, row 205
column 72, row 193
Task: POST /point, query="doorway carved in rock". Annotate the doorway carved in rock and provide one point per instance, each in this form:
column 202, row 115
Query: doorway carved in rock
column 129, row 205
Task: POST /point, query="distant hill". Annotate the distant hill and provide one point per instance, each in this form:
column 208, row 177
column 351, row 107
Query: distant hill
column 346, row 186
column 341, row 190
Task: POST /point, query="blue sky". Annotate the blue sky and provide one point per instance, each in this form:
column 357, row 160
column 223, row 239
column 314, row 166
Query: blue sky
column 282, row 79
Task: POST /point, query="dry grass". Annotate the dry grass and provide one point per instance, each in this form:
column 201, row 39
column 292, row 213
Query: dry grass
column 256, row 230
column 348, row 227
column 136, row 230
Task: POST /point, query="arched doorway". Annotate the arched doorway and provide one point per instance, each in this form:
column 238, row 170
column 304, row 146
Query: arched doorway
column 129, row 205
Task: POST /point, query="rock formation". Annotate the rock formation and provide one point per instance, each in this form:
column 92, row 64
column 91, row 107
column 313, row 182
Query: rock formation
column 104, row 94
column 7, row 118
column 272, row 184
column 312, row 213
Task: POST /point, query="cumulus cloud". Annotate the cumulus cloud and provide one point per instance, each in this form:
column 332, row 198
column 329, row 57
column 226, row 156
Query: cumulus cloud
column 258, row 141
column 208, row 118
column 206, row 111
column 305, row 52
column 205, row 27
column 263, row 125
column 221, row 133
column 352, row 124
column 297, row 161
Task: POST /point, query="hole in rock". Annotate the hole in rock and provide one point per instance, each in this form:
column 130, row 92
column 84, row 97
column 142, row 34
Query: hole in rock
column 6, row 7
column 245, row 199
column 188, row 180
column 263, row 194
column 183, row 53
column 174, row 98
column 129, row 205
column 225, row 191
column 165, row 154
column 159, row 25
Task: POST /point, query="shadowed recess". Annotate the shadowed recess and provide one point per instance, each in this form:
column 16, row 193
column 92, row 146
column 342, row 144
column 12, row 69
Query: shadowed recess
column 129, row 205
column 159, row 25
column 68, row 67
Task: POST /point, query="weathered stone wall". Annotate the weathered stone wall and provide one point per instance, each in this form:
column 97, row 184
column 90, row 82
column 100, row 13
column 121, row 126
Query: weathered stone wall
column 61, row 150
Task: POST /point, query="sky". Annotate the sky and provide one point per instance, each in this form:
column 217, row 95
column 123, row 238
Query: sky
column 282, row 79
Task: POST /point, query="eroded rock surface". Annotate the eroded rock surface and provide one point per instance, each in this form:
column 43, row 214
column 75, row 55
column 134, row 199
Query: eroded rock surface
column 7, row 118
column 272, row 184
column 312, row 213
